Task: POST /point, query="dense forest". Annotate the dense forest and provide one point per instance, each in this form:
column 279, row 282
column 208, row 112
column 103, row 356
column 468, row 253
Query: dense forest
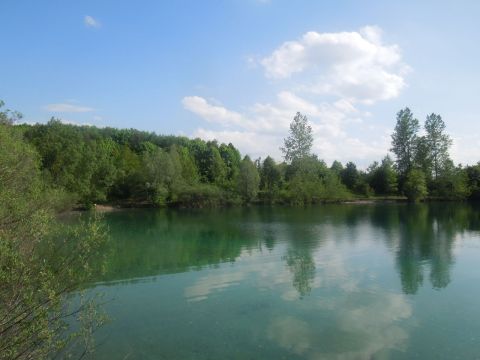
column 128, row 167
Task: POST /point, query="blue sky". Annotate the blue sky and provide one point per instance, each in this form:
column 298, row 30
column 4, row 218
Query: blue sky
column 239, row 70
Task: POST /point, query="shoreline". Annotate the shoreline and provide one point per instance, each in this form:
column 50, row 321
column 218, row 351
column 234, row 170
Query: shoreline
column 114, row 207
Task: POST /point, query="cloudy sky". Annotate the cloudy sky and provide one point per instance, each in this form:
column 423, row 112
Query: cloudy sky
column 239, row 70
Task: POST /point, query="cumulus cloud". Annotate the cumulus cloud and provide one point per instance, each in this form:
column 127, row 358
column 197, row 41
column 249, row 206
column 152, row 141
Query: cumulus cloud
column 331, row 78
column 67, row 108
column 213, row 113
column 260, row 131
column 91, row 22
column 465, row 148
column 252, row 143
column 352, row 65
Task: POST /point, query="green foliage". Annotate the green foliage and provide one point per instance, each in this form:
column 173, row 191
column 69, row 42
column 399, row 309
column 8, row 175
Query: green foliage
column 202, row 195
column 383, row 178
column 130, row 166
column 437, row 143
column 473, row 180
column 299, row 144
column 404, row 140
column 350, row 176
column 41, row 262
column 128, row 182
column 80, row 165
column 231, row 157
column 248, row 180
column 270, row 179
column 423, row 158
column 415, row 186
column 189, row 168
column 432, row 154
column 216, row 169
column 310, row 181
column 451, row 183
column 337, row 167
column 333, row 188
column 162, row 173
column 133, row 167
column 364, row 188
column 8, row 117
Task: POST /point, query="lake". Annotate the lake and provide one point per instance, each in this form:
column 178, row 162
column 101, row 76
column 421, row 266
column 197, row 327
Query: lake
column 373, row 281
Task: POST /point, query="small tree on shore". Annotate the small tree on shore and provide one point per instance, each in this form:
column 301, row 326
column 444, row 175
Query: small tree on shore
column 437, row 143
column 404, row 141
column 299, row 143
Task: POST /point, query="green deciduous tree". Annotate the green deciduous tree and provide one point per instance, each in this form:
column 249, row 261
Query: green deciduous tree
column 350, row 175
column 437, row 143
column 41, row 261
column 248, row 180
column 337, row 167
column 299, row 143
column 231, row 158
column 162, row 173
column 217, row 171
column 383, row 178
column 270, row 177
column 473, row 180
column 452, row 182
column 404, row 141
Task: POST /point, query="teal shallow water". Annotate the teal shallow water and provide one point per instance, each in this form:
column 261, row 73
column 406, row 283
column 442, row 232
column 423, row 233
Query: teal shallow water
column 330, row 282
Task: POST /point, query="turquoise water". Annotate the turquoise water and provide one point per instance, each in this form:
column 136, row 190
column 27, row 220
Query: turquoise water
column 392, row 281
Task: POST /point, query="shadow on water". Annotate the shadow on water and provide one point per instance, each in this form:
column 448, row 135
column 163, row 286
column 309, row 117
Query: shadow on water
column 148, row 243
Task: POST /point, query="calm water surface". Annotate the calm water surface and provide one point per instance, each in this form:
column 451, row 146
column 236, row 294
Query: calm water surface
column 330, row 282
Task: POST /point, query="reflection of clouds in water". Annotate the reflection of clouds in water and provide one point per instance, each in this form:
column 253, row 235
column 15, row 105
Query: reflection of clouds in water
column 362, row 325
column 291, row 333
column 206, row 285
column 344, row 322
column 269, row 275
column 330, row 270
column 333, row 272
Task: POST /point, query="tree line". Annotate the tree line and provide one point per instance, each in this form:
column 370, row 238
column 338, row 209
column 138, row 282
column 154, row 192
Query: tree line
column 131, row 167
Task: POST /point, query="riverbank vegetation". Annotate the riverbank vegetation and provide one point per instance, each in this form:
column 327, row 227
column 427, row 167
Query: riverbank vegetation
column 129, row 167
column 42, row 262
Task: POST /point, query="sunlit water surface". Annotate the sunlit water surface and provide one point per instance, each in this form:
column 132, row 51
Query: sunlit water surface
column 392, row 281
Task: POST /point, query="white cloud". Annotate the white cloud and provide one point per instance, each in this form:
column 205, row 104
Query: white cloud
column 91, row 22
column 251, row 143
column 330, row 77
column 466, row 148
column 212, row 113
column 75, row 122
column 260, row 132
column 352, row 65
column 67, row 108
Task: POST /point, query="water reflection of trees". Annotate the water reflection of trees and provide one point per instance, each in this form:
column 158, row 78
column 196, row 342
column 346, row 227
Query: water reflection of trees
column 147, row 243
column 426, row 237
column 421, row 238
column 301, row 264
